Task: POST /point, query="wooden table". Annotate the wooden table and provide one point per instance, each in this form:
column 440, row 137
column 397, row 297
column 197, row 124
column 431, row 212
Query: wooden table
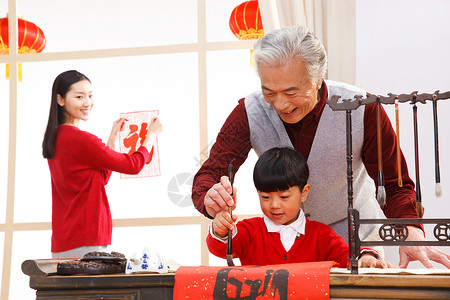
column 48, row 285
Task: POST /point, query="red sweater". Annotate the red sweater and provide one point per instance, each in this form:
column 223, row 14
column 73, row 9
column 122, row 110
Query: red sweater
column 254, row 245
column 79, row 171
column 233, row 143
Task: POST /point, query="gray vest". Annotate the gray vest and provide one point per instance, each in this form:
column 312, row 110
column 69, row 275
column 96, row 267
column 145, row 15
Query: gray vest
column 327, row 201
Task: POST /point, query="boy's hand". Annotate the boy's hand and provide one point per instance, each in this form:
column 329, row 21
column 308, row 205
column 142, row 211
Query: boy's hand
column 222, row 223
column 367, row 260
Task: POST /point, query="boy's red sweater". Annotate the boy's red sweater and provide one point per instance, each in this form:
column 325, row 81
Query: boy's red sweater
column 254, row 245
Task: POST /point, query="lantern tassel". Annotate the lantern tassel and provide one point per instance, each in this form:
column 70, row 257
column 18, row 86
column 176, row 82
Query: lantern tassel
column 252, row 59
column 7, row 72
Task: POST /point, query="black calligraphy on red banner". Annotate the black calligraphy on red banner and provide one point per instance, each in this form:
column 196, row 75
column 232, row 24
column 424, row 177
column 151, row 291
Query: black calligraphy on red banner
column 279, row 285
column 280, row 282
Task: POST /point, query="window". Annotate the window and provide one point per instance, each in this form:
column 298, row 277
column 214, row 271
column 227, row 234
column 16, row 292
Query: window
column 139, row 55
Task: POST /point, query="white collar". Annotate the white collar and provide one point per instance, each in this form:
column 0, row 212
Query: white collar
column 298, row 225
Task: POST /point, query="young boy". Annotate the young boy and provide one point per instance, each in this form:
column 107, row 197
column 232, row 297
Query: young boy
column 283, row 234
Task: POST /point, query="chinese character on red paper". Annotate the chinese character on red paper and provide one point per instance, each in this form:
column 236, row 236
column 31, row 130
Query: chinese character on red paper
column 132, row 137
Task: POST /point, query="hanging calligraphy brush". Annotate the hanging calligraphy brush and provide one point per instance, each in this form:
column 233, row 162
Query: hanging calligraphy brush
column 419, row 207
column 381, row 192
column 438, row 189
column 230, row 211
column 399, row 154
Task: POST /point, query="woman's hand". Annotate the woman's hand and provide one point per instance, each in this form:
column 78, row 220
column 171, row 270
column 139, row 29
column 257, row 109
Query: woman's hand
column 154, row 129
column 117, row 126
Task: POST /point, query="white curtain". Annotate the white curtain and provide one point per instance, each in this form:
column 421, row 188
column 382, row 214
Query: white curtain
column 332, row 21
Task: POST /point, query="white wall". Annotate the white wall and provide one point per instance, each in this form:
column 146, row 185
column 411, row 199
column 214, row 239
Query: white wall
column 403, row 46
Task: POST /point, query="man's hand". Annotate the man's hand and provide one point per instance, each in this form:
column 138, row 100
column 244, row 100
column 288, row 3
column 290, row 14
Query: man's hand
column 424, row 254
column 218, row 197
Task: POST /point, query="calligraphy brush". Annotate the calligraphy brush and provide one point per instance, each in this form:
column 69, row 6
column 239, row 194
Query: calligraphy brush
column 230, row 211
column 399, row 155
column 438, row 189
column 381, row 192
column 419, row 207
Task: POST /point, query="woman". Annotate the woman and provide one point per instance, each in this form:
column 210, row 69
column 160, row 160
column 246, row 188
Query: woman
column 80, row 166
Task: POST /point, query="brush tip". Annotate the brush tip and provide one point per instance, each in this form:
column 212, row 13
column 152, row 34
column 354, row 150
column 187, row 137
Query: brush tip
column 381, row 195
column 419, row 209
column 230, row 262
column 438, row 189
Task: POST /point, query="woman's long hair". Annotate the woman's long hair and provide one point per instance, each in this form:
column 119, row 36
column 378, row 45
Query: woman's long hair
column 56, row 117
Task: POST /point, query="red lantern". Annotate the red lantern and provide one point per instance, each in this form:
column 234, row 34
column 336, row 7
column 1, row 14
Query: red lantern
column 245, row 21
column 31, row 40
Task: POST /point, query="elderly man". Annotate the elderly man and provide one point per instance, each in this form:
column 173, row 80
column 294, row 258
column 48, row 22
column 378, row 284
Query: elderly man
column 290, row 110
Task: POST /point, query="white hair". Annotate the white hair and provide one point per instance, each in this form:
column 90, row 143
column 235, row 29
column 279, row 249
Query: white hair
column 281, row 46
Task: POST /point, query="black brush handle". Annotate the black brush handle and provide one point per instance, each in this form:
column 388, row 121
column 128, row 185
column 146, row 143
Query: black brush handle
column 229, row 243
column 436, row 143
column 230, row 210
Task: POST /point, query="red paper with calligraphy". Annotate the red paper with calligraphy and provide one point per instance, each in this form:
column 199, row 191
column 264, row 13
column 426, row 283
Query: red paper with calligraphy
column 132, row 136
column 288, row 281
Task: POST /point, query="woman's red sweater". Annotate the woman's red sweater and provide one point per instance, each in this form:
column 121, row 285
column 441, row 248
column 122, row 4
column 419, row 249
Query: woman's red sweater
column 80, row 169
